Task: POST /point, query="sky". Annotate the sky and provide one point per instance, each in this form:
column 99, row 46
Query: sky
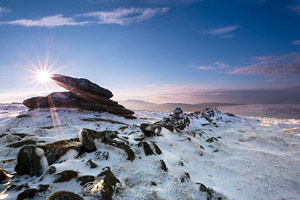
column 184, row 51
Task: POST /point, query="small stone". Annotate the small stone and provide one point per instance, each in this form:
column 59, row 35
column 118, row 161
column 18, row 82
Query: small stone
column 51, row 170
column 156, row 148
column 43, row 188
column 211, row 140
column 91, row 164
column 27, row 194
column 184, row 177
column 163, row 165
column 153, row 183
column 66, row 176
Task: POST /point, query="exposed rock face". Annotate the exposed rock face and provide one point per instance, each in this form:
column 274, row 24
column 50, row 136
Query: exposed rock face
column 81, row 86
column 109, row 183
column 30, row 161
column 65, row 195
column 82, row 94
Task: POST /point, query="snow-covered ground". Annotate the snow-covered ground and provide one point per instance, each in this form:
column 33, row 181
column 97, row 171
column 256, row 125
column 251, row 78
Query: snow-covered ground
column 248, row 158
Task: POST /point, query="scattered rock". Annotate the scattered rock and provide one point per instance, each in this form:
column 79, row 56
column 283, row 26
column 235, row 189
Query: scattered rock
column 43, row 188
column 53, row 151
column 211, row 140
column 65, row 176
column 177, row 121
column 86, row 137
column 147, row 149
column 30, row 161
column 21, row 143
column 185, row 176
column 109, row 183
column 150, row 129
column 91, row 164
column 163, row 165
column 106, row 137
column 99, row 155
column 20, row 187
column 27, row 194
column 85, row 179
column 157, row 149
column 51, row 170
column 153, row 183
column 65, row 195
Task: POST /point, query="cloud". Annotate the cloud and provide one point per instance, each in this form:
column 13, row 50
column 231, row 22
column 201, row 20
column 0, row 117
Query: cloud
column 125, row 16
column 222, row 65
column 224, row 32
column 295, row 8
column 297, row 42
column 48, row 21
column 284, row 65
column 206, row 68
column 3, row 10
column 216, row 66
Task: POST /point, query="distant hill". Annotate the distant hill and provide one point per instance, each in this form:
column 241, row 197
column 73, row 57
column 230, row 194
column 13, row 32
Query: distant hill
column 144, row 105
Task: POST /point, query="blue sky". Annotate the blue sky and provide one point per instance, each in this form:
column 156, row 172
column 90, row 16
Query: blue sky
column 239, row 51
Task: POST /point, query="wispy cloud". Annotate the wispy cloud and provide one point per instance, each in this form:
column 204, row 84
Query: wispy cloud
column 125, row 16
column 224, row 32
column 222, row 65
column 297, row 42
column 122, row 16
column 3, row 10
column 295, row 8
column 48, row 21
column 284, row 65
column 206, row 68
column 216, row 66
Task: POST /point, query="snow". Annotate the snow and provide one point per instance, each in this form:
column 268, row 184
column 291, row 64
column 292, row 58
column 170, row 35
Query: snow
column 253, row 158
column 40, row 153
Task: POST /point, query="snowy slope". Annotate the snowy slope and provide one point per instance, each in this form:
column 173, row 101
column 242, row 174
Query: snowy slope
column 239, row 158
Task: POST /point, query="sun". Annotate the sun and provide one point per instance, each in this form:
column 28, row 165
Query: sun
column 43, row 76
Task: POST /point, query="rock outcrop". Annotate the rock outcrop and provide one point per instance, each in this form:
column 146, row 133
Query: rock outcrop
column 176, row 121
column 83, row 94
